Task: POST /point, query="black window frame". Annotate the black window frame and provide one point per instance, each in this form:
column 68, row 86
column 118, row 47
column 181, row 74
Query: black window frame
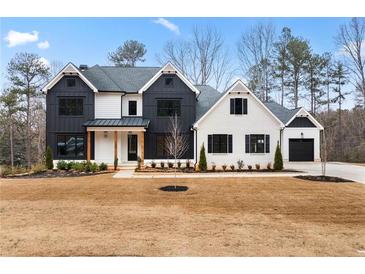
column 130, row 108
column 238, row 106
column 62, row 108
column 70, row 80
column 168, row 111
column 79, row 148
column 252, row 144
column 220, row 143
column 168, row 81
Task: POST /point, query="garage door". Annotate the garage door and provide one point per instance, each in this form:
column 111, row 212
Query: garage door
column 301, row 150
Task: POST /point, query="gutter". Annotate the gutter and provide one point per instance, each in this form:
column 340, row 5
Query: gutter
column 196, row 146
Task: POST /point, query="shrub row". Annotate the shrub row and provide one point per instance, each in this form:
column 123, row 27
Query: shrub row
column 171, row 164
column 85, row 166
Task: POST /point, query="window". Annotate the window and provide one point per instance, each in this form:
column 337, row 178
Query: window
column 168, row 108
column 238, row 106
column 220, row 143
column 160, row 146
column 257, row 143
column 169, row 81
column 70, row 146
column 70, row 82
column 132, row 108
column 71, row 106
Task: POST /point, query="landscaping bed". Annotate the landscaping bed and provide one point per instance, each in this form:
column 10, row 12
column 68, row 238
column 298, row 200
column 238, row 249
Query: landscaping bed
column 54, row 174
column 191, row 170
column 326, row 179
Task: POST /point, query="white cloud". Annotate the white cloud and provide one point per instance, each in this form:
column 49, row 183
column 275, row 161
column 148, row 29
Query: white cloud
column 43, row 45
column 45, row 62
column 167, row 24
column 15, row 38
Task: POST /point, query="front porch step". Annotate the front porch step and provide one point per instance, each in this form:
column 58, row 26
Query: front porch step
column 124, row 167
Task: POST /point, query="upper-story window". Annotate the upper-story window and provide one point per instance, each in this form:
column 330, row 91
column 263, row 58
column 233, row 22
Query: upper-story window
column 71, row 106
column 168, row 107
column 70, row 82
column 132, row 107
column 238, row 106
column 169, row 81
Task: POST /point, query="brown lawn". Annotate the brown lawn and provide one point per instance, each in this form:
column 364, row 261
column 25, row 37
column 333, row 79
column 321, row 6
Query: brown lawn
column 101, row 216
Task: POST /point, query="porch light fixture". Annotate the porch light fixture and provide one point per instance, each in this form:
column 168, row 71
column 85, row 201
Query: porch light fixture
column 105, row 134
column 302, row 135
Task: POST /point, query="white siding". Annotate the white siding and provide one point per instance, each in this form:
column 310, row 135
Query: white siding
column 132, row 97
column 289, row 133
column 107, row 105
column 257, row 121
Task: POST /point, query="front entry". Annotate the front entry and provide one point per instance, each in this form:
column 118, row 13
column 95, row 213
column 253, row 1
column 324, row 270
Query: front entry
column 132, row 147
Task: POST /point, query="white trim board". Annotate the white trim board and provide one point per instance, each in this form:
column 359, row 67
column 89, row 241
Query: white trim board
column 69, row 70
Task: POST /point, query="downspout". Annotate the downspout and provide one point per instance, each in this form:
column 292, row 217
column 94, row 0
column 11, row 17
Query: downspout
column 121, row 105
column 195, row 146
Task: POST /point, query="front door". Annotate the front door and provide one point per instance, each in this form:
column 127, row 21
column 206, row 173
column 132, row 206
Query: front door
column 132, row 147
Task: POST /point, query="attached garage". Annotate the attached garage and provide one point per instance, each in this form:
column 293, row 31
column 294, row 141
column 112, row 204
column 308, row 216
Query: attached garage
column 301, row 150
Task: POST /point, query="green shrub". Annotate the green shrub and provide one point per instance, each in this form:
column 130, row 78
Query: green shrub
column 153, row 164
column 94, row 167
column 87, row 166
column 49, row 158
column 179, row 164
column 202, row 159
column 240, row 164
column 278, row 162
column 139, row 162
column 162, row 164
column 249, row 167
column 116, row 164
column 79, row 166
column 170, row 164
column 38, row 168
column 232, row 167
column 224, row 167
column 257, row 166
column 103, row 166
column 187, row 164
column 70, row 165
column 62, row 165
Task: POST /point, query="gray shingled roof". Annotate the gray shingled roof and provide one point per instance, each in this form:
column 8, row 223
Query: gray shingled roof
column 112, row 78
column 281, row 112
column 206, row 99
column 124, row 122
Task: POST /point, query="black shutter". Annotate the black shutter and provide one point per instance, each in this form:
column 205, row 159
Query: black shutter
column 247, row 143
column 229, row 143
column 232, row 106
column 210, row 143
column 267, row 143
column 244, row 106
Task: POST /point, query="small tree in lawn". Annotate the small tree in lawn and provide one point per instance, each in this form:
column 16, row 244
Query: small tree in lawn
column 278, row 161
column 202, row 159
column 176, row 142
column 49, row 159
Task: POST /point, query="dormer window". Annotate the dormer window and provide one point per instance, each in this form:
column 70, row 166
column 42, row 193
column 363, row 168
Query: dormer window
column 169, row 81
column 70, row 82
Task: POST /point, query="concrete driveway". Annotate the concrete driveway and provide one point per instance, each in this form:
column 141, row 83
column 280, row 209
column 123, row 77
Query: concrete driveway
column 344, row 170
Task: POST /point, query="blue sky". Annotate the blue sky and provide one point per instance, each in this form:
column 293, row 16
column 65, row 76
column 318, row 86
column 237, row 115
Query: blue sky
column 88, row 40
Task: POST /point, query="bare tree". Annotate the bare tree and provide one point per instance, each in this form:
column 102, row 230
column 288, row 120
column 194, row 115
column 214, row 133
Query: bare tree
column 176, row 141
column 255, row 49
column 351, row 39
column 201, row 58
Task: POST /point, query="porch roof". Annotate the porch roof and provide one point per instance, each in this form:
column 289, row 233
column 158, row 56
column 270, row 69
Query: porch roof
column 123, row 122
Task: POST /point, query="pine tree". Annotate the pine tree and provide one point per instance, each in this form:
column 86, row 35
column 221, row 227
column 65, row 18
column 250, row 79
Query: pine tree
column 202, row 159
column 278, row 161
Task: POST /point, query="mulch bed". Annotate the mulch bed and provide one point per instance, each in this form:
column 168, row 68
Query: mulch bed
column 326, row 179
column 191, row 170
column 174, row 188
column 54, row 174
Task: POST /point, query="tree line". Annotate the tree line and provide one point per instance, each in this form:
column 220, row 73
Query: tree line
column 282, row 67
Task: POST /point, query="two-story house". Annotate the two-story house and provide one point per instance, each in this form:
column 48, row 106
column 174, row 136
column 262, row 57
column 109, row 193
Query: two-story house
column 103, row 113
